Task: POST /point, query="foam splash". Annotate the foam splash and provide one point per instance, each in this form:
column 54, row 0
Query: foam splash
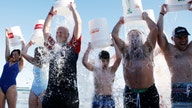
column 162, row 80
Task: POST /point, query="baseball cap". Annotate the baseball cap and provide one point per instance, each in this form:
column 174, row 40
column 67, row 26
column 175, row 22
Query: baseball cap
column 180, row 31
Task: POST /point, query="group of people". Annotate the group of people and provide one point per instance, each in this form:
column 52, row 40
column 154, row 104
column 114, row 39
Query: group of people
column 55, row 66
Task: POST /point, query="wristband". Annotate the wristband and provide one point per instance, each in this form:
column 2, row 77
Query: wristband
column 50, row 14
column 162, row 13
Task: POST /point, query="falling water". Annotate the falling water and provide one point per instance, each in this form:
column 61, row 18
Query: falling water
column 163, row 80
column 86, row 84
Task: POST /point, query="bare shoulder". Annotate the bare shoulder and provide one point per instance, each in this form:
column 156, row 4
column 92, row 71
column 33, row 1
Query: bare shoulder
column 190, row 47
column 169, row 48
column 190, row 44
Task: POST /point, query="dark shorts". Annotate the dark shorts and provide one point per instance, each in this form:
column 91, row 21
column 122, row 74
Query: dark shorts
column 181, row 92
column 103, row 101
column 61, row 100
column 144, row 98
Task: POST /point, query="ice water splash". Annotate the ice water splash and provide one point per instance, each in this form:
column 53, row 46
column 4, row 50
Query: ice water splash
column 162, row 80
column 86, row 82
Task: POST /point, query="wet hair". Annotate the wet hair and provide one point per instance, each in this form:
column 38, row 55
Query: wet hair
column 104, row 55
column 38, row 51
column 140, row 34
column 15, row 50
column 135, row 30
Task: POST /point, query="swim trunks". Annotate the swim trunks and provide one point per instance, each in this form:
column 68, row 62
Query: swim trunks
column 103, row 101
column 181, row 92
column 40, row 80
column 8, row 77
column 144, row 98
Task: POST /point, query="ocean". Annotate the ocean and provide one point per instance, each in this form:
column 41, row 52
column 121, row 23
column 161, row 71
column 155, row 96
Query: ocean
column 22, row 97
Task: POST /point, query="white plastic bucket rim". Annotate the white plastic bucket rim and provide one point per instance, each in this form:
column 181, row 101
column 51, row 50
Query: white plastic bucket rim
column 176, row 2
column 173, row 8
column 39, row 24
column 177, row 5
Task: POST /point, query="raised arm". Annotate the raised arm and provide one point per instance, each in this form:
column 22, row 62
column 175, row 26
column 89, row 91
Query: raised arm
column 47, row 23
column 77, row 19
column 21, row 61
column 117, row 57
column 115, row 34
column 153, row 30
column 29, row 58
column 161, row 39
column 7, row 49
column 85, row 62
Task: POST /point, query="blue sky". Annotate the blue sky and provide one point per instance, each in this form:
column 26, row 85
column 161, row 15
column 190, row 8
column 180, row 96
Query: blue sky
column 25, row 13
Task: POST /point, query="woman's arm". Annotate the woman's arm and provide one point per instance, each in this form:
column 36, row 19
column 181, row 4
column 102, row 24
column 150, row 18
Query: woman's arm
column 7, row 49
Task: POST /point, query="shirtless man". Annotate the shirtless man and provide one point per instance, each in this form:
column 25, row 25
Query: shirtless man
column 140, row 90
column 103, row 77
column 178, row 58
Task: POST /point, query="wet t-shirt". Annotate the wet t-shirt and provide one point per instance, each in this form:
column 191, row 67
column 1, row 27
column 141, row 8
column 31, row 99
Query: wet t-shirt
column 62, row 68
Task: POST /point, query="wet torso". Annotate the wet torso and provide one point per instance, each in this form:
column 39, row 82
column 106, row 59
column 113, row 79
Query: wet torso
column 180, row 64
column 103, row 80
column 138, row 68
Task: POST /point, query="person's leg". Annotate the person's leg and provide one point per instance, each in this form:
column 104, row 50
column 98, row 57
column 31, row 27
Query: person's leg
column 2, row 99
column 32, row 100
column 40, row 99
column 11, row 96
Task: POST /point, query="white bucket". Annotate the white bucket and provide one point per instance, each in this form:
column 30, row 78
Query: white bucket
column 37, row 36
column 176, row 5
column 62, row 7
column 100, row 36
column 15, row 36
column 150, row 13
column 132, row 9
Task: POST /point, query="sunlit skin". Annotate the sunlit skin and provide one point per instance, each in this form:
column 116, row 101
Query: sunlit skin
column 105, row 63
column 40, row 77
column 137, row 54
column 181, row 42
column 10, row 97
column 15, row 56
column 103, row 73
column 137, row 64
column 177, row 55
